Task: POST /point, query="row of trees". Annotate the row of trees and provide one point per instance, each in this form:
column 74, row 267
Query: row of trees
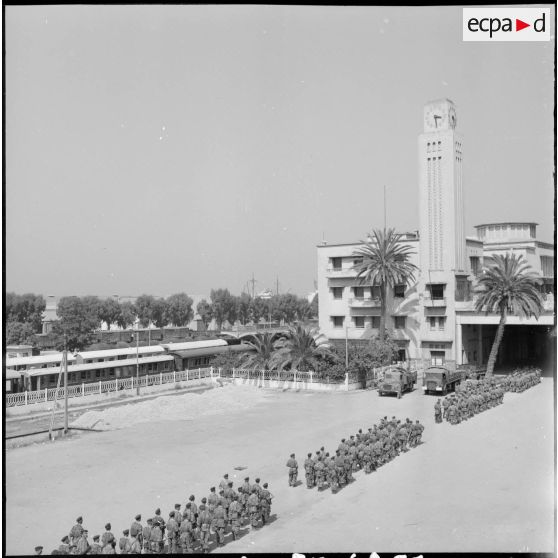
column 23, row 316
column 304, row 349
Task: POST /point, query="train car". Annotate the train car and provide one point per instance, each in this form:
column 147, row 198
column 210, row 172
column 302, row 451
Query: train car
column 36, row 373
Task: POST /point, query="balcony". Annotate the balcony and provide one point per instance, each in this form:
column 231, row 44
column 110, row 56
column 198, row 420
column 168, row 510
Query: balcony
column 364, row 302
column 434, row 302
column 335, row 272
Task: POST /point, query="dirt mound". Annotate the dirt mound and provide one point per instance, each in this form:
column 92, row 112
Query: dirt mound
column 186, row 406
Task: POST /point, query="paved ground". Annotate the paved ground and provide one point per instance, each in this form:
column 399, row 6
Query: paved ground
column 484, row 485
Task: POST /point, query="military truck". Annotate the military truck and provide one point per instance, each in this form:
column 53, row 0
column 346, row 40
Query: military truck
column 397, row 380
column 441, row 379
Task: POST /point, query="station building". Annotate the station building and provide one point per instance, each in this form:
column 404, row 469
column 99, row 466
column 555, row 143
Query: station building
column 433, row 320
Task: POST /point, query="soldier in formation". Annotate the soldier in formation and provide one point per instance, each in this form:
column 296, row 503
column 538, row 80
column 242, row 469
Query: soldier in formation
column 363, row 451
column 187, row 532
column 293, row 470
column 472, row 399
column 522, row 379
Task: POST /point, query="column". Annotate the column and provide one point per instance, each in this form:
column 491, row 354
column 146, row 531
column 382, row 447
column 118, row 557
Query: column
column 458, row 344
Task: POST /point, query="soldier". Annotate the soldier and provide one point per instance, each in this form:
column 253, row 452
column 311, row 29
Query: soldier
column 64, row 548
column 246, row 486
column 253, row 508
column 110, row 548
column 76, row 531
column 403, row 437
column 38, row 550
column 258, row 487
column 82, row 544
column 224, row 482
column 146, row 536
column 220, row 518
column 158, row 519
column 186, row 536
column 107, row 537
column 177, row 514
column 156, row 537
column 340, row 469
column 235, row 513
column 331, row 474
column 452, row 414
column 242, row 499
column 124, row 543
column 172, row 533
column 136, row 528
column 446, row 405
column 212, row 500
column 419, row 428
column 229, row 496
column 135, row 545
column 265, row 503
column 309, row 471
column 348, row 464
column 319, row 474
column 95, row 547
column 204, row 520
column 293, row 470
column 438, row 411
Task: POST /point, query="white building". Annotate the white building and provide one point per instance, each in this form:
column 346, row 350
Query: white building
column 434, row 318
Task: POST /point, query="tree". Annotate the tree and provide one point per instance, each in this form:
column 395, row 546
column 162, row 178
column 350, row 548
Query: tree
column 314, row 307
column 509, row 286
column 127, row 315
column 159, row 313
column 144, row 309
column 205, row 311
column 92, row 305
column 223, row 306
column 385, row 263
column 109, row 311
column 243, row 306
column 179, row 309
column 18, row 333
column 303, row 349
column 77, row 322
column 259, row 308
column 264, row 349
column 26, row 309
column 284, row 307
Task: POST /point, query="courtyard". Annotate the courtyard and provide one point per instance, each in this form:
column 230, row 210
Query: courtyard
column 485, row 485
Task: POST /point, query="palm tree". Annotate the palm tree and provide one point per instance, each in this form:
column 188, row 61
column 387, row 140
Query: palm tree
column 264, row 347
column 302, row 349
column 385, row 263
column 509, row 286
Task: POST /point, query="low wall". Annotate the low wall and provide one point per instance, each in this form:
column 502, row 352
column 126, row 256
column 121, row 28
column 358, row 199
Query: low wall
column 293, row 386
column 105, row 397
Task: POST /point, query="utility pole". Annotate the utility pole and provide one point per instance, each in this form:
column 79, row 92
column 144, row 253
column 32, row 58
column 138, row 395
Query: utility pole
column 137, row 360
column 65, row 384
column 253, row 281
column 346, row 347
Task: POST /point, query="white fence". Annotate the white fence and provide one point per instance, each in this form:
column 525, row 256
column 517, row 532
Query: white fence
column 97, row 388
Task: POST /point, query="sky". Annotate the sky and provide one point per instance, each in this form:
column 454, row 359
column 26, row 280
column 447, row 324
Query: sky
column 164, row 149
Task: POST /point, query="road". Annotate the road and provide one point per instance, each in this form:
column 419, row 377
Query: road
column 484, row 485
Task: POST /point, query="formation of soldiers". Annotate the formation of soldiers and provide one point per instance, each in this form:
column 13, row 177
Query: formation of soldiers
column 522, row 379
column 362, row 451
column 472, row 399
column 191, row 530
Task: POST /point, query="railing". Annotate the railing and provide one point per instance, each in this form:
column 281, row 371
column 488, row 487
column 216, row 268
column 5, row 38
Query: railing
column 98, row 388
column 434, row 302
column 365, row 302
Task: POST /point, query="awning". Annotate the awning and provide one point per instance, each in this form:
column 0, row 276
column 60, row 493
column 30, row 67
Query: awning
column 207, row 344
column 190, row 353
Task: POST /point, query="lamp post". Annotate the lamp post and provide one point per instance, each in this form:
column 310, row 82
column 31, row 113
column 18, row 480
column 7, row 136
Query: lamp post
column 65, row 385
column 137, row 361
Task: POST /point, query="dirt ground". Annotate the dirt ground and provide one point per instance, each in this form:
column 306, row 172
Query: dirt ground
column 484, row 485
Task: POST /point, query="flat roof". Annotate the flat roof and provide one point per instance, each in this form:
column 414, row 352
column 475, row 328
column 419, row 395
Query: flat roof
column 100, row 365
column 174, row 347
column 506, row 223
column 118, row 352
column 39, row 359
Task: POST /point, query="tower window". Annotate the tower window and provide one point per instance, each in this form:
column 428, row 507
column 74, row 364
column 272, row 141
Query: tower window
column 336, row 263
column 359, row 321
column 337, row 292
column 399, row 322
column 338, row 321
column 399, row 291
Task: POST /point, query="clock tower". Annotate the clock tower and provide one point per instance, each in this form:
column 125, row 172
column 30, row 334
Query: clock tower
column 442, row 227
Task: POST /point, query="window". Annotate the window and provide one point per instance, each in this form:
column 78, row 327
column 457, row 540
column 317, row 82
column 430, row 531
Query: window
column 337, row 292
column 336, row 263
column 399, row 322
column 375, row 291
column 359, row 321
column 359, row 292
column 375, row 322
column 475, row 265
column 97, row 373
column 399, row 291
column 437, row 323
column 52, row 378
column 437, row 292
column 358, row 261
column 338, row 321
column 111, row 373
column 83, row 375
column 437, row 358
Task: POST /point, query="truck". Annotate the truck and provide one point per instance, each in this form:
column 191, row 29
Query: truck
column 441, row 379
column 397, row 380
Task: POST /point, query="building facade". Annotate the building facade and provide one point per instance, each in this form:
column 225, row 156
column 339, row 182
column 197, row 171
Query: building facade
column 433, row 319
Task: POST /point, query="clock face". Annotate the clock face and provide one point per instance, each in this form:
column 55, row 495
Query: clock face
column 452, row 117
column 435, row 119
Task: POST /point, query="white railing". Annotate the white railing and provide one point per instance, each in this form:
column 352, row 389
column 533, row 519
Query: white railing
column 97, row 388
